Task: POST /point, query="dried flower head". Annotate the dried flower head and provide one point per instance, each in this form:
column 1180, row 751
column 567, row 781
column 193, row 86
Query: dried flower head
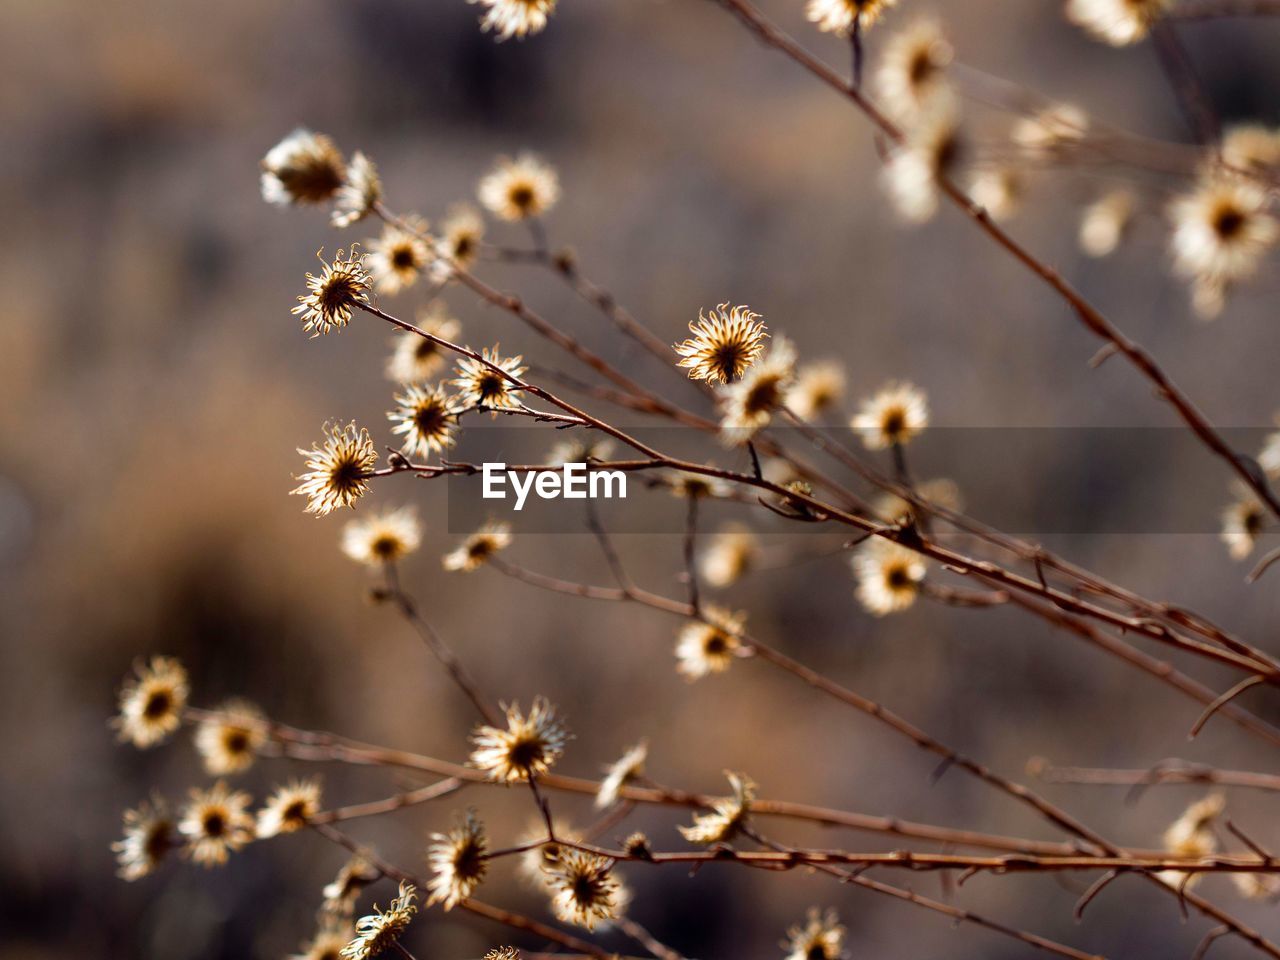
column 933, row 149
column 151, row 701
column 291, row 807
column 340, row 895
column 229, row 739
column 424, row 417
column 889, row 576
column 818, row 388
column 636, row 845
column 334, row 294
column 416, row 358
column 1221, row 232
column 750, row 402
column 1191, row 836
column 481, row 386
column 1117, row 22
column 709, row 646
column 620, row 773
column 1052, row 132
column 998, row 190
column 725, row 343
column 338, row 470
column 515, row 18
column 303, row 168
column 327, row 944
column 538, row 859
column 461, row 232
column 584, row 890
column 528, row 747
column 727, row 814
column 148, row 837
column 913, row 68
column 1105, row 223
column 376, row 933
column 732, row 552
column 503, row 953
column 579, row 448
column 893, row 417
column 892, row 508
column 519, row 189
column 1251, row 148
column 838, row 16
column 382, row 538
column 698, row 486
column 821, row 938
column 1242, row 523
column 398, row 257
column 359, row 194
column 473, row 552
column 1257, row 886
column 215, row 822
column 458, row 862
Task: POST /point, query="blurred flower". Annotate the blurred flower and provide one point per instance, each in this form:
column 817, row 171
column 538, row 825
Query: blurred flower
column 1117, row 22
column 515, row 18
column 474, row 551
column 698, row 485
column 1221, row 232
column 1051, row 131
column 425, row 418
column 1269, row 458
column 535, row 861
column 1105, row 222
column 376, row 933
column 724, row 344
column 709, row 646
column 291, row 807
column 327, row 944
column 461, row 233
column 837, row 16
column 503, row 953
column 216, row 822
column 749, row 403
column 340, row 896
column 148, row 837
column 1252, row 148
column 333, row 294
column 1191, row 836
column 480, row 385
column 931, row 150
column 998, row 190
column 397, row 258
column 529, row 747
column 584, row 888
column 912, row 68
column 382, row 538
column 360, row 192
column 731, row 553
column 1257, row 886
column 821, row 938
column 1242, row 524
column 229, row 739
column 727, row 814
column 818, row 387
column 416, row 358
column 519, row 189
column 303, row 168
column 889, row 576
column 942, row 492
column 620, row 773
column 337, row 472
column 894, row 416
column 457, row 861
column 151, row 701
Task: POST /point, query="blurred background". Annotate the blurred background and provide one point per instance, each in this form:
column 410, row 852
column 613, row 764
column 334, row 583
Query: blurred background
column 154, row 387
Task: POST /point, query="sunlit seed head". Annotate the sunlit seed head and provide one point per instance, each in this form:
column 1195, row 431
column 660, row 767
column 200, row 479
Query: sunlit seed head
column 461, row 234
column 820, row 938
column 1105, row 222
column 730, row 554
column 399, row 256
column 838, row 16
column 458, row 862
column 727, row 815
column 425, row 418
column 1192, row 836
column 479, row 547
column 334, row 294
column 414, row 358
column 817, row 390
column 749, row 403
column 341, row 894
column 151, row 701
column 621, row 773
column 149, row 835
column 584, row 890
column 894, row 416
column 515, row 18
column 725, row 343
column 528, row 747
column 377, row 932
column 1117, row 22
column 385, row 537
column 889, row 576
column 481, row 386
column 913, row 68
column 360, row 192
column 933, row 149
column 1243, row 522
column 289, row 808
column 709, row 645
column 304, row 168
column 229, row 739
column 520, row 188
column 338, row 470
column 215, row 823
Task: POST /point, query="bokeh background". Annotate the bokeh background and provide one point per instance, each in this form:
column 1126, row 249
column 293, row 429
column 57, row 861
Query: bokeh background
column 153, row 387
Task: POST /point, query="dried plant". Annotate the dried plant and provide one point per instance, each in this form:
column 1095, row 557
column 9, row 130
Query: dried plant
column 908, row 542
